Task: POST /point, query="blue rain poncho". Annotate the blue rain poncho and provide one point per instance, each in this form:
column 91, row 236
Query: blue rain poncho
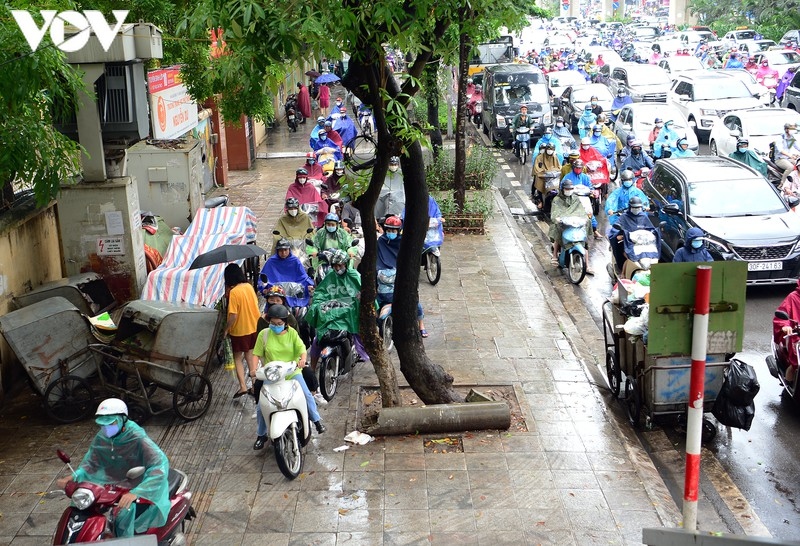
column 108, row 461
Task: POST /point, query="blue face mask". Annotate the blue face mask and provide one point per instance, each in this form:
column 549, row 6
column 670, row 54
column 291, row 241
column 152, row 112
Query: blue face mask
column 276, row 328
column 111, row 430
column 627, row 183
column 697, row 243
column 330, row 229
column 391, row 235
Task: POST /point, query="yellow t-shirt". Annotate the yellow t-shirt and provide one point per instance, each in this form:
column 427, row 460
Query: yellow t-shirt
column 243, row 302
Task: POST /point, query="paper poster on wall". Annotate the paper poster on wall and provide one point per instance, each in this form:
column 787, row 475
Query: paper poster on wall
column 173, row 111
column 114, row 225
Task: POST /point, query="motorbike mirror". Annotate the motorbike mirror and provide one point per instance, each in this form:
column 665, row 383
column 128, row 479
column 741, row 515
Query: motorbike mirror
column 617, row 227
column 263, row 278
column 276, row 232
column 310, row 230
column 736, row 133
column 354, row 243
column 672, row 208
column 781, row 315
column 135, row 473
column 793, row 201
column 63, row 456
column 309, row 242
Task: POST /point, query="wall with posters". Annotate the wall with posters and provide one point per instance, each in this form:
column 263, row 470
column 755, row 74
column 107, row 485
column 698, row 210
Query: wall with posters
column 173, row 112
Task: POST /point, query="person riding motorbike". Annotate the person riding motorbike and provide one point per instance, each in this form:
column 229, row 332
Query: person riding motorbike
column 682, row 148
column 566, row 168
column 586, row 121
column 594, row 102
column 658, row 124
column 622, row 99
column 315, row 131
column 520, row 120
column 477, row 97
column 388, row 248
column 313, row 168
column 332, row 236
column 549, row 138
column 631, row 220
column 392, row 199
column 619, row 199
column 693, row 250
column 579, row 178
column 118, row 446
column 637, row 159
column 564, row 135
column 788, row 150
column 345, row 127
column 782, row 328
column 667, row 137
column 744, row 154
column 566, row 204
column 292, row 225
column 734, row 61
column 283, row 266
column 307, row 194
column 546, row 161
column 764, row 72
column 275, row 295
column 606, row 147
column 333, row 134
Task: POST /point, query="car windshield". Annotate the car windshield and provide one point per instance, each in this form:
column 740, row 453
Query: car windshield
column 768, row 125
column 585, row 94
column 784, row 57
column 722, row 198
column 647, row 75
column 745, row 35
column 716, row 90
column 521, row 88
column 644, row 31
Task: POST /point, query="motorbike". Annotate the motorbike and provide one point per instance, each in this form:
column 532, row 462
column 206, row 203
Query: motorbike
column 770, row 81
column 522, row 148
column 337, row 358
column 640, row 176
column 572, row 257
column 323, row 265
column 777, row 362
column 366, row 121
column 431, row 253
column 293, row 115
column 642, row 248
column 598, row 174
column 284, row 408
column 589, row 198
column 475, row 109
column 552, row 180
column 90, row 518
column 386, row 278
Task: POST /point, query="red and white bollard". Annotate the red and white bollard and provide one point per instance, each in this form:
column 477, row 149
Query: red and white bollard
column 694, row 421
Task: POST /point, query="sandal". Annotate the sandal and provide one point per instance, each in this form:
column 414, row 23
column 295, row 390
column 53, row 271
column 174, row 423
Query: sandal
column 239, row 394
column 423, row 333
column 553, row 261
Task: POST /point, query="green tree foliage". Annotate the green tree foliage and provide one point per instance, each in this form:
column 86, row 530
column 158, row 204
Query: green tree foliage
column 770, row 18
column 36, row 88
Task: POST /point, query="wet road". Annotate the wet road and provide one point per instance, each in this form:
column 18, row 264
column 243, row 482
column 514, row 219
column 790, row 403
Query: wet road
column 758, row 460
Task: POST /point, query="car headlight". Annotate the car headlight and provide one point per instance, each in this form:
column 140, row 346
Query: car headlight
column 708, row 112
column 796, row 247
column 82, row 498
column 720, row 246
column 501, row 122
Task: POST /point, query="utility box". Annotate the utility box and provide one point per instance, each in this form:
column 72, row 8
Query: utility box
column 101, row 231
column 169, row 177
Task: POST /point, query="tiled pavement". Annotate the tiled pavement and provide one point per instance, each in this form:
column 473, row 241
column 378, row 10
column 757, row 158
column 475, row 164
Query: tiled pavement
column 572, row 478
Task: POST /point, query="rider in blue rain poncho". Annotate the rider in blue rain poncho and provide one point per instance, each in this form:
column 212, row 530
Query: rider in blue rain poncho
column 119, row 446
column 283, row 267
column 586, row 121
column 682, row 149
column 345, row 127
column 667, row 138
column 549, row 137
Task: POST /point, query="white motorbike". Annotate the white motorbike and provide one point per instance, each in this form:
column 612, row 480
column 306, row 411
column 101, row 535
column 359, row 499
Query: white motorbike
column 284, row 408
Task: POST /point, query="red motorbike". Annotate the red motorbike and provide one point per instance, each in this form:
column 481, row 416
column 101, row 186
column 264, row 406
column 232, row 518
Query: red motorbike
column 598, row 174
column 640, row 176
column 90, row 518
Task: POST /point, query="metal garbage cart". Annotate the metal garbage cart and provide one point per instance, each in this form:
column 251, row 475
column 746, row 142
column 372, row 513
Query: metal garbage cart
column 161, row 345
column 654, row 377
column 86, row 291
column 51, row 339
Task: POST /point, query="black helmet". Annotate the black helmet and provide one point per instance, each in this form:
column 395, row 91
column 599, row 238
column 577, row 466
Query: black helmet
column 338, row 166
column 578, row 164
column 278, row 311
column 301, row 172
column 283, row 244
column 627, row 174
column 292, row 203
column 741, row 141
column 550, row 146
column 636, row 202
column 559, row 119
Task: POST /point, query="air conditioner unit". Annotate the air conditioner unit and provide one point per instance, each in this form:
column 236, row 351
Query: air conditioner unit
column 122, row 104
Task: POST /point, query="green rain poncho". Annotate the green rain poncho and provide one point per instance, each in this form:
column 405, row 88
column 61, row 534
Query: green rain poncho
column 340, row 239
column 335, row 303
column 109, row 459
column 565, row 206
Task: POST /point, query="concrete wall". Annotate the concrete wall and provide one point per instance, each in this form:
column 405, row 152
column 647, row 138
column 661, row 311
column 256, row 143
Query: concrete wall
column 30, row 255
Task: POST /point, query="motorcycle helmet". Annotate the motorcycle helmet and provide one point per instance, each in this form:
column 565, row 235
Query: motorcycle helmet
column 283, row 244
column 479, row 88
column 337, row 257
column 635, row 145
column 626, row 175
column 550, row 146
column 112, row 406
column 394, row 160
column 574, row 154
column 586, row 141
column 331, row 217
column 328, row 123
column 278, row 311
column 658, row 120
column 567, row 185
column 587, row 108
column 322, row 135
column 548, row 131
column 338, row 167
column 393, row 222
column 559, row 119
column 742, row 142
column 301, row 172
column 311, row 158
column 596, row 129
column 578, row 164
column 320, row 121
column 275, row 291
column 292, row 203
column 631, row 138
column 789, row 126
column 636, row 202
column 681, row 142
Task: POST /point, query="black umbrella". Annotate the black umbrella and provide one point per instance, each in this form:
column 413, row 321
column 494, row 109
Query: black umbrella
column 226, row 254
column 312, row 74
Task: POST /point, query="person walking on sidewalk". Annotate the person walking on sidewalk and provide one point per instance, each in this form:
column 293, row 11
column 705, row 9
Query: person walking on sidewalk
column 242, row 322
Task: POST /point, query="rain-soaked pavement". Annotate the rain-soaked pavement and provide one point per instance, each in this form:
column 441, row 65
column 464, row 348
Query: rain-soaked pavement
column 578, row 476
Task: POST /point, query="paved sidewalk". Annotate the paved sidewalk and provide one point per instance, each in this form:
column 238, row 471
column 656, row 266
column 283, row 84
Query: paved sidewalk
column 572, row 478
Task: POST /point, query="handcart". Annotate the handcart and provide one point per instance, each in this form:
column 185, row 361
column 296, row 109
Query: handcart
column 51, row 339
column 161, row 345
column 653, row 376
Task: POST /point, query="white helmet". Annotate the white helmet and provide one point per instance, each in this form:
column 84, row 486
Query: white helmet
column 112, row 406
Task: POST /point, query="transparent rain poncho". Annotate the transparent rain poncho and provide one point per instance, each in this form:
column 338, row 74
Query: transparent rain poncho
column 109, row 459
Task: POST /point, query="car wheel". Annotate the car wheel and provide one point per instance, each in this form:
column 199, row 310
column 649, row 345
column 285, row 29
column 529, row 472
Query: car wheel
column 713, row 147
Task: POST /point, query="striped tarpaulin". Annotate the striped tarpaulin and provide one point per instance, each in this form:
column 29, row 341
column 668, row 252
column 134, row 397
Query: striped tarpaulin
column 240, row 220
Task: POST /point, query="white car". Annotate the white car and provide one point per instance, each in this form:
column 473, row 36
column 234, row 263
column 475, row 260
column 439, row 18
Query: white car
column 751, row 47
column 676, row 65
column 643, row 82
column 691, row 38
column 639, row 118
column 559, row 80
column 706, row 96
column 669, row 44
column 749, row 80
column 609, row 55
column 761, row 126
column 780, row 59
column 558, row 41
column 734, row 37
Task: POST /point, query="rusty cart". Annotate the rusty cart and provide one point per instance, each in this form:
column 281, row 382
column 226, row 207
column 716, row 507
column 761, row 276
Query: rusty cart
column 161, row 346
column 653, row 377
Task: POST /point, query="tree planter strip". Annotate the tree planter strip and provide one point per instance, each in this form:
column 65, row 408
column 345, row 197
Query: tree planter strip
column 442, row 418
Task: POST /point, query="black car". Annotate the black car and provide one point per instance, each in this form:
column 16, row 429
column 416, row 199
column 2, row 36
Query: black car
column 507, row 87
column 574, row 99
column 742, row 214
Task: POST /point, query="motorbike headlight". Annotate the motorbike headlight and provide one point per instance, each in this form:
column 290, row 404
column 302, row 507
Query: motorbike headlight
column 547, row 119
column 82, row 498
column 501, row 122
column 326, row 352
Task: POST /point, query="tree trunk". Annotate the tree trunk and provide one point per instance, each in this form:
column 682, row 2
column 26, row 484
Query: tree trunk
column 432, row 95
column 459, row 183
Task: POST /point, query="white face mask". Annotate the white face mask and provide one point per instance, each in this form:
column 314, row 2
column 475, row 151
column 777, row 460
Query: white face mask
column 549, row 151
column 659, row 125
column 567, row 193
column 393, row 168
column 292, row 212
column 302, row 181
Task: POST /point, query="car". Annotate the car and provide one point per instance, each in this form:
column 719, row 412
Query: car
column 779, row 59
column 638, row 118
column 761, row 126
column 609, row 55
column 791, row 36
column 742, row 214
column 734, row 37
column 573, row 100
column 675, row 65
column 558, row 41
column 705, row 96
column 645, row 34
column 791, row 96
column 643, row 82
column 559, row 80
column 756, row 89
column 669, row 44
column 690, row 38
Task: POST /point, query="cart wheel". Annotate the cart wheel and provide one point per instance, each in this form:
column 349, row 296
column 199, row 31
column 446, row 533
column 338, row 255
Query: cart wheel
column 633, row 403
column 69, row 399
column 433, row 268
column 613, row 372
column 192, row 397
column 709, row 430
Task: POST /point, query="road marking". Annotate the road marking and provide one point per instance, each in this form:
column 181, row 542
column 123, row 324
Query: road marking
column 505, row 167
column 515, row 183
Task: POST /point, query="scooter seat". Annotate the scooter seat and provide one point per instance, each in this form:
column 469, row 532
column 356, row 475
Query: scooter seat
column 174, row 479
column 334, row 335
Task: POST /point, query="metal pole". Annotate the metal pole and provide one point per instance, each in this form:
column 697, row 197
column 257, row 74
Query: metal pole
column 694, row 421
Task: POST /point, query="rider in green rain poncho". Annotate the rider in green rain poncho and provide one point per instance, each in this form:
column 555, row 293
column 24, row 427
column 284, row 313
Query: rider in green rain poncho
column 119, row 446
column 335, row 302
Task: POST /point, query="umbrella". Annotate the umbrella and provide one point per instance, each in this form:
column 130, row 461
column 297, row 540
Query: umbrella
column 312, row 74
column 327, row 77
column 225, row 254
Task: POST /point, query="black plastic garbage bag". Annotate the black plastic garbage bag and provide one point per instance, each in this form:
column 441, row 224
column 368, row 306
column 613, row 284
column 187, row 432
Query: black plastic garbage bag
column 732, row 415
column 741, row 384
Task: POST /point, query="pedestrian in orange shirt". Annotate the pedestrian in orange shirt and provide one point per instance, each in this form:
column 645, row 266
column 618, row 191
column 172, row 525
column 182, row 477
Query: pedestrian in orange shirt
column 242, row 324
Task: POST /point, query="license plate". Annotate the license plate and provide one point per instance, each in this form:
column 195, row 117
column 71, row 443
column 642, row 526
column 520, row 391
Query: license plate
column 764, row 266
column 291, row 118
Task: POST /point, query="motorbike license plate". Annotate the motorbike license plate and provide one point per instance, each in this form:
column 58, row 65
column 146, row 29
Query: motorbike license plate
column 764, row 266
column 291, row 118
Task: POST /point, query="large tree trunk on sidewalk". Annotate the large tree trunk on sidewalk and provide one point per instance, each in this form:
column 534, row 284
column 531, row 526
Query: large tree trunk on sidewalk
column 432, row 99
column 459, row 183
